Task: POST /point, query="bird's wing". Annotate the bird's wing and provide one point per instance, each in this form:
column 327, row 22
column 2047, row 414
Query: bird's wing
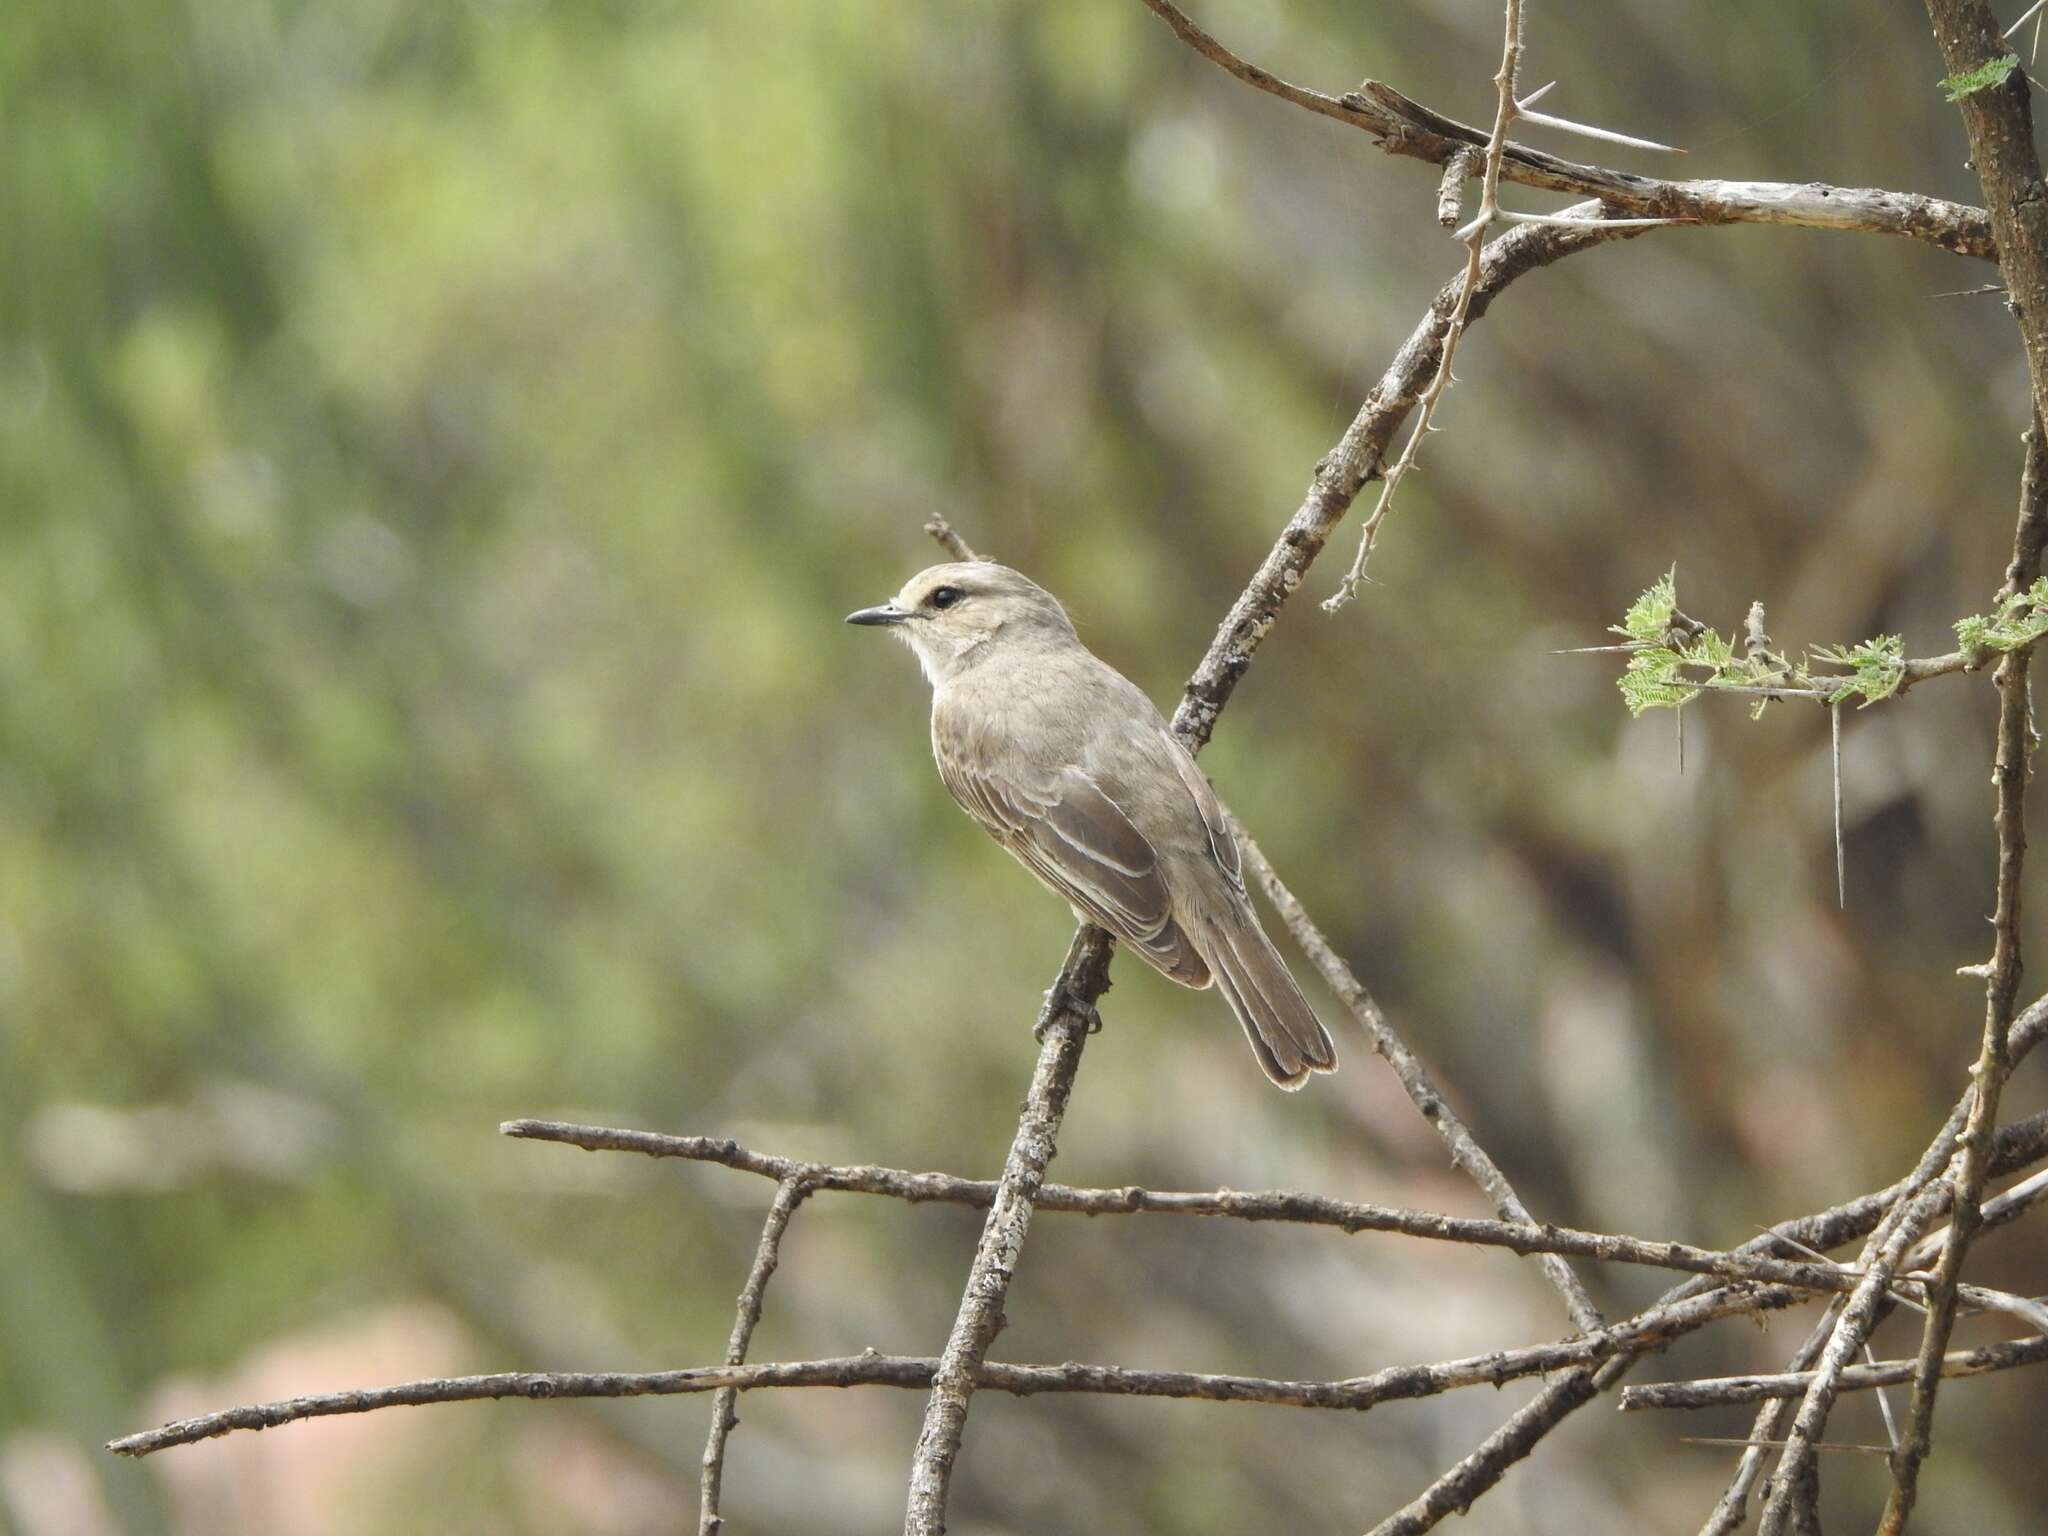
column 1066, row 830
column 1222, row 842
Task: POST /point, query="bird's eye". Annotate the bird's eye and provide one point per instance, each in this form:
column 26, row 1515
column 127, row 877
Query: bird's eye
column 946, row 597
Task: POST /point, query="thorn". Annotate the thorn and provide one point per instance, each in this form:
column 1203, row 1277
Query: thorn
column 1608, row 135
column 1841, row 865
column 1560, row 221
column 1542, row 91
column 1981, row 972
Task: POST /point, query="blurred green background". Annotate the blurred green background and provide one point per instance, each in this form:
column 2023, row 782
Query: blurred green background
column 437, row 447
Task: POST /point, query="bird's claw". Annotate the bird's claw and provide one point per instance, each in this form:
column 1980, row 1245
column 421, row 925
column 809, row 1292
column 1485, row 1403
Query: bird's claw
column 1058, row 1001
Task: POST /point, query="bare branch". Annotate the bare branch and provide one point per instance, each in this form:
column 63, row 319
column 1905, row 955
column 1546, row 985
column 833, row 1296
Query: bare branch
column 1356, row 1394
column 789, row 1194
column 2001, row 983
column 1519, row 1235
column 1474, row 236
column 1999, row 123
column 1407, row 128
column 1722, row 1391
column 1731, row 1511
column 1063, row 1027
column 1416, row 1082
column 1456, row 1489
column 1450, row 192
column 948, row 540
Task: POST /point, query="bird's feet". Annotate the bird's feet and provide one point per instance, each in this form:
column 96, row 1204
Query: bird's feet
column 1059, row 1000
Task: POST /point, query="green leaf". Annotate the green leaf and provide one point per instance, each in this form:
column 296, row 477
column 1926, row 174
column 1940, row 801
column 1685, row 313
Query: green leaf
column 1652, row 680
column 1650, row 615
column 2020, row 620
column 1877, row 668
column 1982, row 78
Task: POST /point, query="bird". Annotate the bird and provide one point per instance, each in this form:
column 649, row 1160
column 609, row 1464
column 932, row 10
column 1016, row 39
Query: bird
column 1072, row 769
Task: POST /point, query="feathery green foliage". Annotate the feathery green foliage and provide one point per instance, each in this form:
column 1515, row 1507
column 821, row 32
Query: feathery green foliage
column 1982, row 78
column 1673, row 659
column 2020, row 620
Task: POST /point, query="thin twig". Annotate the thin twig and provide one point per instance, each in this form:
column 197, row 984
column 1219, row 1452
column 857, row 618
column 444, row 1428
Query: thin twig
column 1731, row 1511
column 1415, row 1080
column 1724, row 1391
column 1775, row 1445
column 1474, row 236
column 2015, row 1146
column 1796, row 1488
column 1456, row 1488
column 1995, row 1212
column 1401, row 126
column 1450, row 192
column 1355, row 1394
column 1519, row 1234
column 2001, row 986
column 789, row 1194
column 1063, row 1028
column 949, row 541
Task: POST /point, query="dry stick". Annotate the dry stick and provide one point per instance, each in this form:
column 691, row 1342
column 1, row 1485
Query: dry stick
column 1450, row 192
column 789, row 1194
column 1722, row 1391
column 1355, row 1394
column 2001, row 986
column 2016, row 1146
column 1795, row 1496
column 1731, row 1510
column 1517, row 1235
column 1415, row 1080
column 1063, row 1026
column 1454, row 1491
column 1474, row 236
column 948, row 540
column 1998, row 121
column 2009, row 1206
column 1796, row 1489
column 1403, row 127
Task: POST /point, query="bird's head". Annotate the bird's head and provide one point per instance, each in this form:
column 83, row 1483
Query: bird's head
column 954, row 616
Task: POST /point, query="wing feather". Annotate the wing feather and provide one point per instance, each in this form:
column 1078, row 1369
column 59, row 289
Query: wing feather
column 1068, row 832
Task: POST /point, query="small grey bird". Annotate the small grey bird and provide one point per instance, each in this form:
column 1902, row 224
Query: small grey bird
column 1067, row 765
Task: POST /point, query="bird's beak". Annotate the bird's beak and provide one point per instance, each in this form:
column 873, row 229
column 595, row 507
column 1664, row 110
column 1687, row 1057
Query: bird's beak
column 888, row 613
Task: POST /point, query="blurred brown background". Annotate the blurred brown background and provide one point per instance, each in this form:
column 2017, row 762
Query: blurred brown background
column 437, row 447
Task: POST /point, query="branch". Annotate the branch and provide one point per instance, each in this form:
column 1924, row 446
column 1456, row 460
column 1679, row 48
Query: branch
column 948, row 540
column 1403, row 127
column 789, row 1194
column 1731, row 1511
column 2016, row 1146
column 1453, row 1492
column 1519, row 1235
column 1063, row 1026
column 1723, row 1391
column 1999, row 121
column 1357, row 457
column 1474, row 236
column 1356, row 1394
column 1415, row 1079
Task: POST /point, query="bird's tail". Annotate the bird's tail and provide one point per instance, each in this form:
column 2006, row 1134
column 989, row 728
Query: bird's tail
column 1285, row 1033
